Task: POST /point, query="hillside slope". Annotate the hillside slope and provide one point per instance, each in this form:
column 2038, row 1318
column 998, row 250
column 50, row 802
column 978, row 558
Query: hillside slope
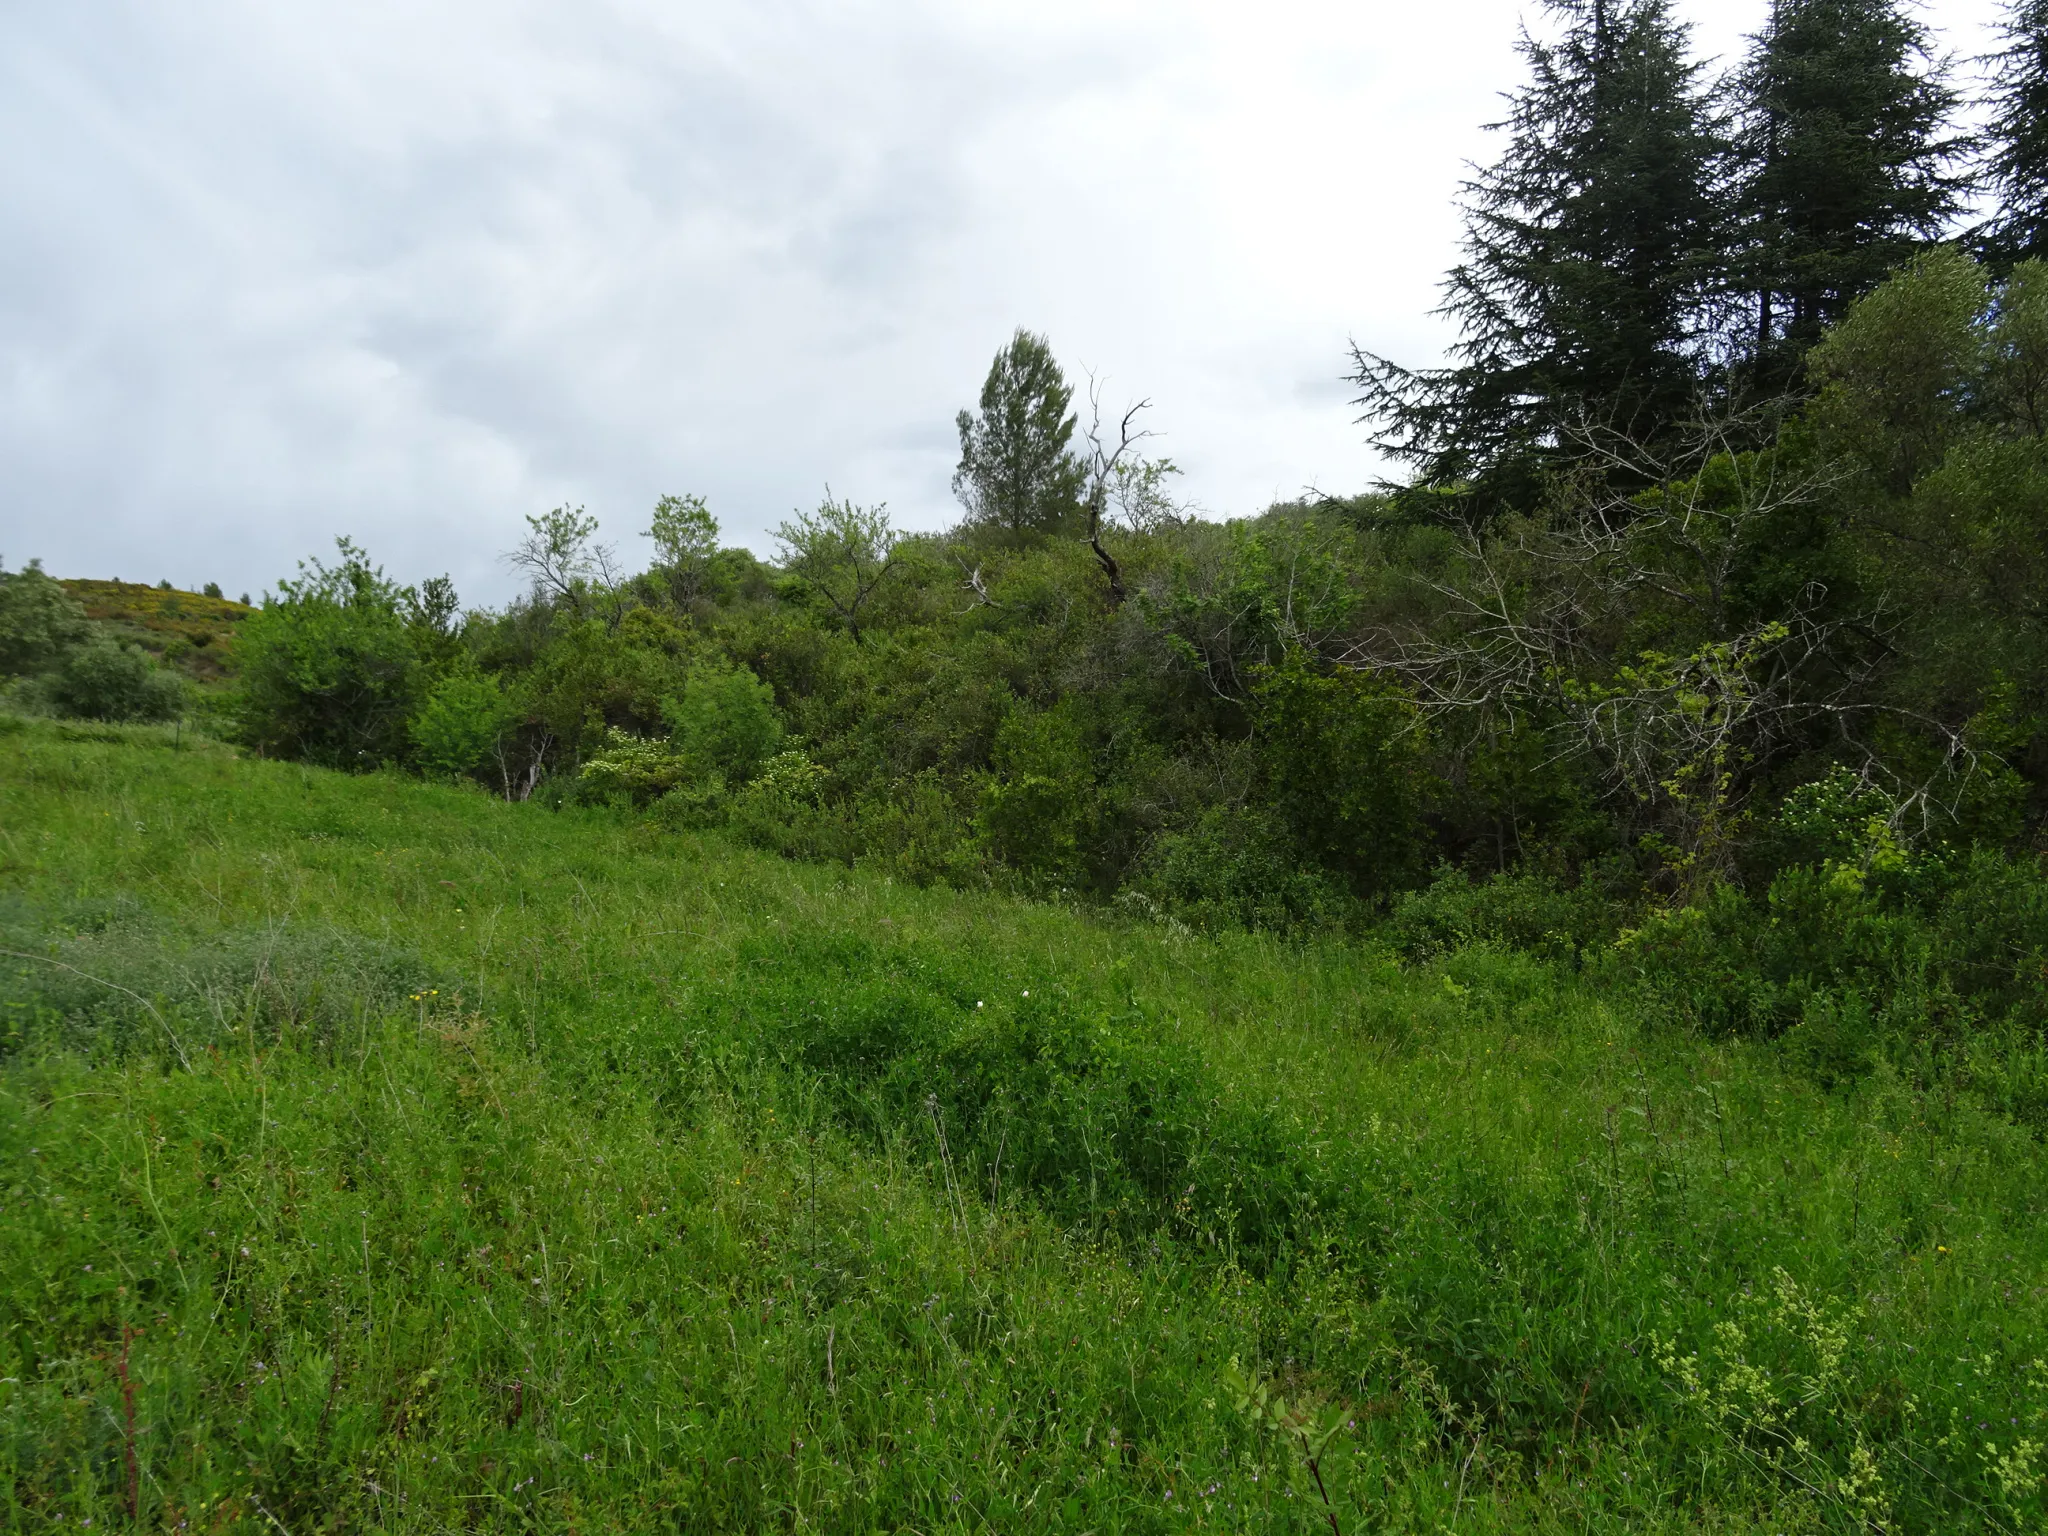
column 187, row 629
column 380, row 1155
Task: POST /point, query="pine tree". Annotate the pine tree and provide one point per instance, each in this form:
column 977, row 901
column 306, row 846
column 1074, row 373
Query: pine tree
column 1847, row 167
column 1589, row 252
column 1016, row 472
column 2017, row 169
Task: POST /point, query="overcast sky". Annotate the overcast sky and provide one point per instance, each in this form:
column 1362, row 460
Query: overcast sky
column 412, row 269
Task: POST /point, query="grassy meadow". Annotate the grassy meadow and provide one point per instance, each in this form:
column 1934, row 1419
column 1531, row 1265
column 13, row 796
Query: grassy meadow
column 379, row 1155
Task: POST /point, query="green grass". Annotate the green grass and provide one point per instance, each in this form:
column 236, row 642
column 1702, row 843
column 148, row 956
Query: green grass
column 378, row 1155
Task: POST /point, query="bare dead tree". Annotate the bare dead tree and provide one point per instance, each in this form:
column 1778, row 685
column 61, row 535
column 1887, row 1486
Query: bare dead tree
column 1103, row 464
column 974, row 584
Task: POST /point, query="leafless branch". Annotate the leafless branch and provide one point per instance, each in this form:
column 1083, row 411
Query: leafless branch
column 974, row 584
column 1103, row 463
column 1539, row 624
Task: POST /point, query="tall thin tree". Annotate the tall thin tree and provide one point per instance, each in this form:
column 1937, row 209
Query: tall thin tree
column 2017, row 166
column 1849, row 165
column 1016, row 472
column 1590, row 248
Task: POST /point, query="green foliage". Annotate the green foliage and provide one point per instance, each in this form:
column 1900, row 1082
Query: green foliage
column 1897, row 374
column 1016, row 472
column 1933, row 403
column 1523, row 910
column 327, row 667
column 1035, row 810
column 843, row 553
column 592, row 677
column 725, row 722
column 1342, row 749
column 638, row 769
column 783, row 809
column 105, row 680
column 1859, row 967
column 433, row 613
column 462, row 725
column 791, row 778
column 2018, row 137
column 642, row 1140
column 1839, row 822
column 685, row 536
column 1847, row 159
column 1307, row 1430
column 39, row 621
column 75, row 667
column 560, row 559
column 1239, row 867
column 1590, row 254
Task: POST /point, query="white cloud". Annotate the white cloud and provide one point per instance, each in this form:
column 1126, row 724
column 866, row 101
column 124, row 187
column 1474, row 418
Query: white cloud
column 276, row 271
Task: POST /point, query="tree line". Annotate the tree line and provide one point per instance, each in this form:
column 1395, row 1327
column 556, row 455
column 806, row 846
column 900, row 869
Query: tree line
column 1704, row 642
column 1653, row 241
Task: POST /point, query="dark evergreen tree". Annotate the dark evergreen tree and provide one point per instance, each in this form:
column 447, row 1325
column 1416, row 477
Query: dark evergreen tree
column 1848, row 165
column 1016, row 472
column 1589, row 252
column 2017, row 168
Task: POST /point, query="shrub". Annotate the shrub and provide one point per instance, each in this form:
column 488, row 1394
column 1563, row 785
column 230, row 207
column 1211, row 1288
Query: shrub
column 461, row 728
column 1110, row 1122
column 725, row 722
column 784, row 809
column 328, row 667
column 39, row 621
column 1035, row 811
column 1851, row 968
column 1732, row 965
column 103, row 680
column 1838, row 819
column 919, row 830
column 636, row 769
column 1342, row 755
column 1525, row 910
column 589, row 676
column 1239, row 868
column 693, row 805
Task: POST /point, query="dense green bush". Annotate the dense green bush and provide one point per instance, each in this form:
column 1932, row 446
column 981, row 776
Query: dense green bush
column 463, row 724
column 588, row 676
column 328, row 669
column 725, row 722
column 1038, row 803
column 1522, row 909
column 1851, row 969
column 923, row 829
column 105, row 680
column 638, row 770
column 784, row 809
column 39, row 621
column 1343, row 752
column 1238, row 867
